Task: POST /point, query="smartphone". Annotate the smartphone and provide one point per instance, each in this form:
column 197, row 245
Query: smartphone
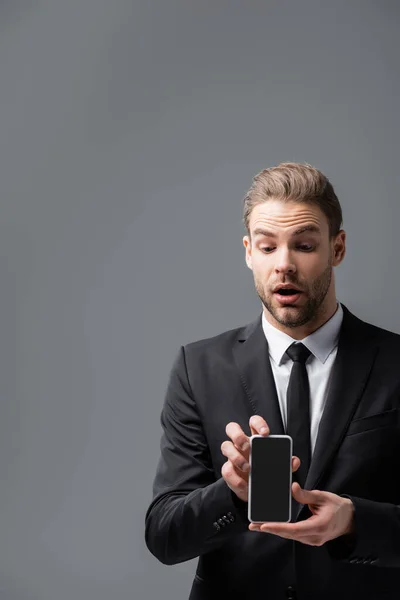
column 270, row 478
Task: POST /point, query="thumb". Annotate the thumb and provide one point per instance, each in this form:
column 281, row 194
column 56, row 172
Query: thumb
column 306, row 496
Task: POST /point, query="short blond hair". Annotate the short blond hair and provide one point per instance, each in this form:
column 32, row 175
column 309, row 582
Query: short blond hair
column 294, row 182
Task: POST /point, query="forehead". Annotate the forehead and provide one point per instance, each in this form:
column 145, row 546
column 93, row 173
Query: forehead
column 279, row 216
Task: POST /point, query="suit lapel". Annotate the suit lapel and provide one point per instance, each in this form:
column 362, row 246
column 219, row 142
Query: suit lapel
column 252, row 359
column 350, row 372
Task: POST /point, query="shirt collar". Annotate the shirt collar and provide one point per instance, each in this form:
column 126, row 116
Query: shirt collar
column 321, row 342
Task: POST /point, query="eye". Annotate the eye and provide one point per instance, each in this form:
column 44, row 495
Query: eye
column 266, row 249
column 306, row 247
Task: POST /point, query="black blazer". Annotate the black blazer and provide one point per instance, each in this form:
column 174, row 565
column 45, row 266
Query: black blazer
column 194, row 514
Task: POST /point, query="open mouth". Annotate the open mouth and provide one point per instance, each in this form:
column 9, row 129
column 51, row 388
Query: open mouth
column 288, row 296
column 288, row 292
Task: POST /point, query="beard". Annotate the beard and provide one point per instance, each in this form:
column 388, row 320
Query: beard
column 301, row 315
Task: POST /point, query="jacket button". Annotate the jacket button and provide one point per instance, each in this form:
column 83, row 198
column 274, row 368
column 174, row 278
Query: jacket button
column 221, row 522
column 291, row 593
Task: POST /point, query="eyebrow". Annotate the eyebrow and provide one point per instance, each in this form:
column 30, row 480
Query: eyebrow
column 310, row 228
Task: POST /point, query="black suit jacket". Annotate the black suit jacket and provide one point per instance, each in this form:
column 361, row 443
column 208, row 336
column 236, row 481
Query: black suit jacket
column 357, row 454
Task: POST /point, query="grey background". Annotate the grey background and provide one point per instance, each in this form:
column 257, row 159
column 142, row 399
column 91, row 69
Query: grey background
column 129, row 132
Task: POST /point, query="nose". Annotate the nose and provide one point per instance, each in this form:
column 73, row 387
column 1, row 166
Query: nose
column 284, row 261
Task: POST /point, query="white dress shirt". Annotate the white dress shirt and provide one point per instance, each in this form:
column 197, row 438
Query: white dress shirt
column 322, row 344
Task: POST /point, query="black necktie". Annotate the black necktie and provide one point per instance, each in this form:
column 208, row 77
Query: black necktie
column 298, row 409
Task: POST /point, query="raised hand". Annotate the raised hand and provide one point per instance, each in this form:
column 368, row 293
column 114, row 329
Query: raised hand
column 235, row 470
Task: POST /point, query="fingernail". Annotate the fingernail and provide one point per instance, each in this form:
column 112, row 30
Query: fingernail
column 245, row 466
column 264, row 430
column 245, row 446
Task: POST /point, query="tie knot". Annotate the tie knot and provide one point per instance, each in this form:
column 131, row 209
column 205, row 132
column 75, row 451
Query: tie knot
column 298, row 352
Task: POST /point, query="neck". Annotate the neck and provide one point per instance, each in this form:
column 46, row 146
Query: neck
column 298, row 333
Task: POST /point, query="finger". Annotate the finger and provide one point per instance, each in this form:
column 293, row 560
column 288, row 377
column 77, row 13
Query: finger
column 237, row 435
column 309, row 527
column 295, row 463
column 236, row 457
column 258, row 425
column 233, row 479
column 307, row 496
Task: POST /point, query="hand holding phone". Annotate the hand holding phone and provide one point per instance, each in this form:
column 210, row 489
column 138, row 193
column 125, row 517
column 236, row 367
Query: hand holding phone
column 233, row 471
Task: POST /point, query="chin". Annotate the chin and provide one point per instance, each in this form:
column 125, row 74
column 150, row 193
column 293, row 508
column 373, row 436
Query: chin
column 288, row 306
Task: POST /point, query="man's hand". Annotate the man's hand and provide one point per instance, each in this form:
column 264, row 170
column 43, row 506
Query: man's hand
column 235, row 470
column 332, row 517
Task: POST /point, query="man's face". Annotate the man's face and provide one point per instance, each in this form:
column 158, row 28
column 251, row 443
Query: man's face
column 291, row 246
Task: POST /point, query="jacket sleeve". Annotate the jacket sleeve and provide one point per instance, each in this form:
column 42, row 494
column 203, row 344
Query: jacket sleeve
column 193, row 511
column 376, row 539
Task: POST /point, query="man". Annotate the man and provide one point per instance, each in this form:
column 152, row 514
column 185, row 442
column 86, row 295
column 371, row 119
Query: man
column 343, row 541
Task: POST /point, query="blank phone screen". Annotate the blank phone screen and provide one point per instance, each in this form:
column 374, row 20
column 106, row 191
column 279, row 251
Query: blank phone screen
column 270, row 479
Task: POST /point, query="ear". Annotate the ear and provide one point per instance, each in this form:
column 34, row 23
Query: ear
column 247, row 245
column 339, row 248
